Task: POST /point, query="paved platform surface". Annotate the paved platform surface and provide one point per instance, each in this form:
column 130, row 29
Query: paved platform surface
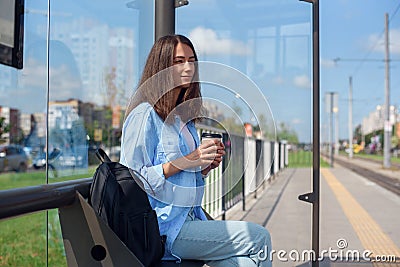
column 359, row 220
column 357, row 217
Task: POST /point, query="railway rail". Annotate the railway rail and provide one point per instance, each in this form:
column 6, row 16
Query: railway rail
column 389, row 183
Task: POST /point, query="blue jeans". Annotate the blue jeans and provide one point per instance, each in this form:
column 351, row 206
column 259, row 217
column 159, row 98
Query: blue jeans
column 223, row 243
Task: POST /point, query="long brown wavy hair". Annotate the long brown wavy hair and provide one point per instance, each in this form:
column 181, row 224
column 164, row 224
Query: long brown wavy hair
column 156, row 84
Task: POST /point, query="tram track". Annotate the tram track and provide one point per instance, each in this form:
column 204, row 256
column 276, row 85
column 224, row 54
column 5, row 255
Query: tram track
column 394, row 165
column 389, row 183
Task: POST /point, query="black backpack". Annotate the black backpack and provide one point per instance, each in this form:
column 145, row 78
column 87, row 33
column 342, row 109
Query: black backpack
column 116, row 195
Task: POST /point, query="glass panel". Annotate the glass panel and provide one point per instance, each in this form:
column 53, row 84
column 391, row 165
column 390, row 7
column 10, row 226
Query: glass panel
column 266, row 112
column 94, row 65
column 22, row 111
column 89, row 65
column 95, row 59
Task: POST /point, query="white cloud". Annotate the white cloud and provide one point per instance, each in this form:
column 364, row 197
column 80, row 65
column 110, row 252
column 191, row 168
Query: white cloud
column 327, row 63
column 302, row 81
column 278, row 80
column 378, row 44
column 208, row 42
column 297, row 121
column 63, row 83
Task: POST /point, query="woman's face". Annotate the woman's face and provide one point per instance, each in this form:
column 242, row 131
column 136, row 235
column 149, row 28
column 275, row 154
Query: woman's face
column 184, row 67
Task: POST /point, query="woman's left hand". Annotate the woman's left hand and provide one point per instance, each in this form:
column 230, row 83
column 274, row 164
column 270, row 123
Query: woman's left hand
column 217, row 160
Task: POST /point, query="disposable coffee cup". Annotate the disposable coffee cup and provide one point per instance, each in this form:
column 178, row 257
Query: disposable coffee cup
column 211, row 136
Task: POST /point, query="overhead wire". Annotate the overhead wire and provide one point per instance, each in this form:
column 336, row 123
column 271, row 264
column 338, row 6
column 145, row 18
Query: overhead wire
column 372, row 48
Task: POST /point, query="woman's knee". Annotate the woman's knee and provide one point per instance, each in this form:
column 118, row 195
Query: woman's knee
column 260, row 233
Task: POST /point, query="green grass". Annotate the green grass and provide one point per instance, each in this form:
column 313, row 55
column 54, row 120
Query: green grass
column 303, row 159
column 23, row 239
column 16, row 180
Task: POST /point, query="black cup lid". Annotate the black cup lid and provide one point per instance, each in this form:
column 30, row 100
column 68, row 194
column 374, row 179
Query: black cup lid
column 211, row 135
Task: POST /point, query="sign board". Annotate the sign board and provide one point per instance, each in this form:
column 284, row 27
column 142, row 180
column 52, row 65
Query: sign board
column 11, row 32
column 7, row 19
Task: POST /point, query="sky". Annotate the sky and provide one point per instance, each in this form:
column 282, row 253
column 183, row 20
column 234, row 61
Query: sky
column 355, row 30
column 349, row 30
column 222, row 32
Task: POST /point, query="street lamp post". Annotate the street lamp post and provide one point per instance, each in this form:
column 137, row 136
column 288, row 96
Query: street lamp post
column 351, row 117
column 387, row 126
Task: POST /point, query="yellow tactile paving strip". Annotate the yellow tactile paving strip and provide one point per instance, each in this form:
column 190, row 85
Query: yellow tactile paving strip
column 371, row 235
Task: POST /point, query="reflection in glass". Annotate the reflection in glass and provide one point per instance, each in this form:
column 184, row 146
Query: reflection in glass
column 68, row 100
column 268, row 41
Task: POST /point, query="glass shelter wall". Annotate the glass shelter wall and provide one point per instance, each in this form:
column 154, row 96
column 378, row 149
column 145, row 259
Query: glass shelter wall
column 269, row 42
column 82, row 60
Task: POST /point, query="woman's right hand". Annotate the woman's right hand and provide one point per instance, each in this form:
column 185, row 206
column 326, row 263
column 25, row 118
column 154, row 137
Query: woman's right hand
column 205, row 154
column 208, row 153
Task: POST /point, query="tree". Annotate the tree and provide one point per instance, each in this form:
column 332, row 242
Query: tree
column 395, row 141
column 267, row 128
column 286, row 133
column 358, row 134
column 115, row 95
column 232, row 126
column 236, row 108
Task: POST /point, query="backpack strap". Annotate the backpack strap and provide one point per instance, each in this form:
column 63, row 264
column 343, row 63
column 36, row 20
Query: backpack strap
column 102, row 155
column 138, row 177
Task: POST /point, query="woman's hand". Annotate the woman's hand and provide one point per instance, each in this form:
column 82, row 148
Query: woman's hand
column 207, row 156
column 217, row 160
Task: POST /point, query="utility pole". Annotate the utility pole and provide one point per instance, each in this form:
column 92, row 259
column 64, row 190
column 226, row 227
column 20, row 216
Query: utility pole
column 351, row 117
column 331, row 129
column 331, row 102
column 387, row 126
column 336, row 112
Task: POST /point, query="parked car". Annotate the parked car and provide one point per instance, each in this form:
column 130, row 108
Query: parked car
column 13, row 158
column 57, row 160
column 39, row 162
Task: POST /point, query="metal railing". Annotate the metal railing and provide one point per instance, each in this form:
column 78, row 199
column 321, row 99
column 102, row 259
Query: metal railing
column 247, row 165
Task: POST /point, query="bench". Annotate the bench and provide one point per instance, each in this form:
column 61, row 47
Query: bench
column 88, row 241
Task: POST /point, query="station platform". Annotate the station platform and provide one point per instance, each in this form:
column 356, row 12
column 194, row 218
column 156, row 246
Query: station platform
column 359, row 220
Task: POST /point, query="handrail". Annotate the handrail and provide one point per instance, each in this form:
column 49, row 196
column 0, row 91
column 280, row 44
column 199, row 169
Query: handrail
column 24, row 200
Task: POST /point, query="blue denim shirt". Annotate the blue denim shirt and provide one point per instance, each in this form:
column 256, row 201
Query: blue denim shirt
column 148, row 142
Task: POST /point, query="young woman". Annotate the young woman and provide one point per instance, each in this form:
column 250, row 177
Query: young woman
column 159, row 139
